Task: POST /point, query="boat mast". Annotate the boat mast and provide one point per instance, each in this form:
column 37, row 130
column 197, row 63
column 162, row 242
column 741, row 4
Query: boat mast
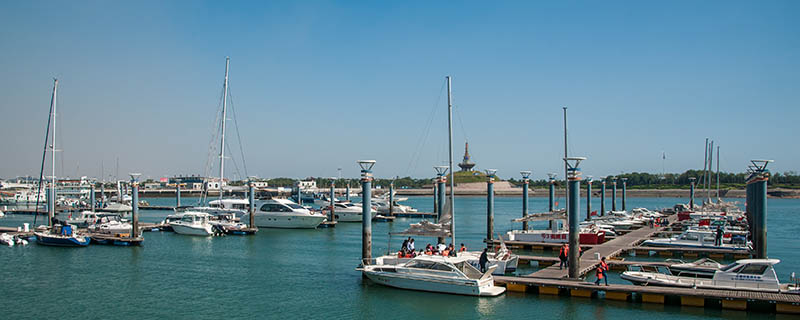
column 452, row 176
column 710, row 164
column 224, row 115
column 718, row 199
column 53, row 183
column 705, row 166
column 566, row 182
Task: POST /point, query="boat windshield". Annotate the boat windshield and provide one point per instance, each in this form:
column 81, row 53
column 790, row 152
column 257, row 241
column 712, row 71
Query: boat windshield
column 294, row 206
column 728, row 267
column 754, row 269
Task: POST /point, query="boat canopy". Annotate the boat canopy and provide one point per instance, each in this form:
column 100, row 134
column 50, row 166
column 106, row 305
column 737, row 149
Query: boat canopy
column 426, row 228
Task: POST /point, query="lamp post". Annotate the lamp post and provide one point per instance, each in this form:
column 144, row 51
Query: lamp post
column 573, row 203
column 589, row 198
column 525, row 185
column 489, row 206
column 135, row 205
column 553, row 223
column 366, row 210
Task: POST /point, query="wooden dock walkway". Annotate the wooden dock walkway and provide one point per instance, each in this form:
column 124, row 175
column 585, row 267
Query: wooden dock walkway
column 614, row 264
column 727, row 299
column 609, row 249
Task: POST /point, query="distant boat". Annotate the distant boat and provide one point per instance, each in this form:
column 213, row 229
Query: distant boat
column 283, row 213
column 62, row 236
column 192, row 223
column 436, row 274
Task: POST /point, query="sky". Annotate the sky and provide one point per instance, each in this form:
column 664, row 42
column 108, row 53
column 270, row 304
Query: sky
column 317, row 85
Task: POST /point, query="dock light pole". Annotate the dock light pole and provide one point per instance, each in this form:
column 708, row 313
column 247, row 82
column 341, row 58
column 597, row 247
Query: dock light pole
column 135, row 205
column 691, row 192
column 391, row 197
column 526, row 181
column 51, row 206
column 92, row 197
column 333, row 199
column 589, row 198
column 435, row 194
column 366, row 210
column 553, row 223
column 489, row 206
column 573, row 203
column 614, row 194
column 603, row 197
column 252, row 209
column 441, row 179
column 757, row 205
column 624, row 193
column 177, row 193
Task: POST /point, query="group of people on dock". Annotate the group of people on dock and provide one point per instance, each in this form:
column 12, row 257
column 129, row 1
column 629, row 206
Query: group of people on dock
column 407, row 249
column 563, row 255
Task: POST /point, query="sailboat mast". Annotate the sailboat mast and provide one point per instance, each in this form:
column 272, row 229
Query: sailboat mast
column 718, row 199
column 224, row 119
column 566, row 186
column 53, row 183
column 710, row 169
column 452, row 176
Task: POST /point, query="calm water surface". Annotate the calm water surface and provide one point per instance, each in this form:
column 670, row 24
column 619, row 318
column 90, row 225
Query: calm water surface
column 305, row 274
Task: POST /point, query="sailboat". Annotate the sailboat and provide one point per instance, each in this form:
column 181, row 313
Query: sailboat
column 223, row 207
column 58, row 235
column 501, row 261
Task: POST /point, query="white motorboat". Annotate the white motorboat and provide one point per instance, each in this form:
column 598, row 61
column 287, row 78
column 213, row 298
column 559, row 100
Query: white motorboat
column 435, row 274
column 283, row 213
column 348, row 212
column 704, row 268
column 192, row 223
column 219, row 207
column 81, row 219
column 116, row 207
column 111, row 224
column 503, row 259
column 588, row 235
column 694, row 238
column 747, row 274
column 7, row 239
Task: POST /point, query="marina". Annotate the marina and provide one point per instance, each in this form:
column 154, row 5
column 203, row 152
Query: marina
column 395, row 160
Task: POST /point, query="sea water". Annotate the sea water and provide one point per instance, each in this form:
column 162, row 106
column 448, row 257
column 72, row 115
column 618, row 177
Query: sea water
column 305, row 274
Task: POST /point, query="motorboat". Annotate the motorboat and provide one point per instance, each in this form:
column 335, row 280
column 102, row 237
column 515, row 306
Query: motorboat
column 7, row 239
column 694, row 238
column 347, row 212
column 703, row 268
column 237, row 207
column 383, row 207
column 747, row 274
column 588, row 235
column 62, row 236
column 193, row 223
column 435, row 274
column 116, row 207
column 283, row 213
column 503, row 259
column 111, row 224
column 80, row 219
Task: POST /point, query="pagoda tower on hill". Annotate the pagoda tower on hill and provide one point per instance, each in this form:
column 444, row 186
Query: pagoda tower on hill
column 466, row 165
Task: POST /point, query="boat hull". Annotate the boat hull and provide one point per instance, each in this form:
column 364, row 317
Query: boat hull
column 56, row 241
column 192, row 230
column 266, row 220
column 450, row 286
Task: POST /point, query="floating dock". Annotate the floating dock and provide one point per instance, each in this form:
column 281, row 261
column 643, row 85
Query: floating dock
column 726, row 299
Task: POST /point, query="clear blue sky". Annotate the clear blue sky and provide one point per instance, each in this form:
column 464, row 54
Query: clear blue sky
column 319, row 84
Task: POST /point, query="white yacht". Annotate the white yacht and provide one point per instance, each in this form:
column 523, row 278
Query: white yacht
column 348, row 212
column 111, row 224
column 192, row 223
column 747, row 274
column 694, row 238
column 283, row 213
column 80, row 219
column 435, row 274
column 237, row 207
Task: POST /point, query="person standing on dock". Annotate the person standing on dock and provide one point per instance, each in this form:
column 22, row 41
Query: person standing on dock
column 718, row 237
column 483, row 260
column 562, row 255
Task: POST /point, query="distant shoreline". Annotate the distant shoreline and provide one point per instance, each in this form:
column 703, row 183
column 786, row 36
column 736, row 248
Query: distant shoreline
column 631, row 193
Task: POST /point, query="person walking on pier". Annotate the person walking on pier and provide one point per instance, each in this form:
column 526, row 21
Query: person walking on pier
column 603, row 269
column 562, row 255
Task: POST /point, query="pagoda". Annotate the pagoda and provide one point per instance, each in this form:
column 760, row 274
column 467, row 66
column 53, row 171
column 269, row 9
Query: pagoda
column 466, row 165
